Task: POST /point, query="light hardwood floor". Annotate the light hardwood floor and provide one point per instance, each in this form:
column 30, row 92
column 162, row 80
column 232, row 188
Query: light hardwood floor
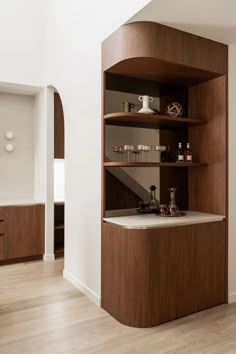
column 41, row 313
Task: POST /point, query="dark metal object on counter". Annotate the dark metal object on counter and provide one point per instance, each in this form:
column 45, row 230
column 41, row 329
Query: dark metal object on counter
column 154, row 202
column 144, row 208
column 172, row 210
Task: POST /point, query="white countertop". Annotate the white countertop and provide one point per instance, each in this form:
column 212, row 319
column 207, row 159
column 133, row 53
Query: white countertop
column 15, row 202
column 152, row 221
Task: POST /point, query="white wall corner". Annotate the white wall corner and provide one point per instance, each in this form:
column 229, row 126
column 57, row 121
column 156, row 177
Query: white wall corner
column 231, row 298
column 82, row 287
column 48, row 257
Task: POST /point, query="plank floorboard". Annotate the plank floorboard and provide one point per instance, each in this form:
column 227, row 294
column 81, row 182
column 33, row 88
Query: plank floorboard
column 42, row 313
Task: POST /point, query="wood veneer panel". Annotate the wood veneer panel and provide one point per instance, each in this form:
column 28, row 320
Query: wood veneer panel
column 130, row 275
column 169, row 94
column 112, row 269
column 154, row 164
column 24, row 231
column 208, row 187
column 131, row 85
column 1, row 214
column 58, row 128
column 154, row 48
column 1, row 227
column 1, row 246
column 156, row 275
column 161, row 71
column 153, row 121
column 211, row 264
column 118, row 195
column 176, row 254
column 141, row 284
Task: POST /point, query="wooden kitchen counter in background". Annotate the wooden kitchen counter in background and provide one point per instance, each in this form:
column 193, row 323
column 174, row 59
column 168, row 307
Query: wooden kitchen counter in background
column 22, row 224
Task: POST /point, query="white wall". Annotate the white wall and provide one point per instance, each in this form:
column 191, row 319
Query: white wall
column 74, row 68
column 44, row 162
column 17, row 167
column 59, row 179
column 59, row 43
column 22, row 37
column 40, row 146
column 232, row 173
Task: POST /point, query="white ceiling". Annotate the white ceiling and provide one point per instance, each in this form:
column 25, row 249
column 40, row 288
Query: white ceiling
column 214, row 19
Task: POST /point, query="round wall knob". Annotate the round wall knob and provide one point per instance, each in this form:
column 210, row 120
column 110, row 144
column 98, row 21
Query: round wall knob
column 9, row 135
column 9, row 147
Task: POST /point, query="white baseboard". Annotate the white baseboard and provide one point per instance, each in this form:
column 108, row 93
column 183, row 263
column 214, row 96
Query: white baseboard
column 232, row 298
column 83, row 288
column 49, row 257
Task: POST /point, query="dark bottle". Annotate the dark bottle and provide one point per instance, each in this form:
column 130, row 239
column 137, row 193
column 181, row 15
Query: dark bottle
column 180, row 153
column 163, row 154
column 169, row 154
column 188, row 155
column 154, row 204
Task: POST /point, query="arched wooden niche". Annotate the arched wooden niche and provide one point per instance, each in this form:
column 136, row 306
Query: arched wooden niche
column 137, row 265
column 149, row 50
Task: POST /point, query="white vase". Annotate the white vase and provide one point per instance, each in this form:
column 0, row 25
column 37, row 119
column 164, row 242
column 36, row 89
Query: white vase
column 146, row 109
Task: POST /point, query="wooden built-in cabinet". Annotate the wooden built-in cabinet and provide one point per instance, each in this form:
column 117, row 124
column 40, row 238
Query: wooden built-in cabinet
column 153, row 276
column 156, row 275
column 58, row 128
column 22, row 232
column 1, row 233
column 59, row 229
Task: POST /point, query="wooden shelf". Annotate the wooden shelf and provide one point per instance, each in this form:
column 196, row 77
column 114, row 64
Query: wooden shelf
column 154, row 164
column 132, row 119
column 59, row 251
column 59, row 226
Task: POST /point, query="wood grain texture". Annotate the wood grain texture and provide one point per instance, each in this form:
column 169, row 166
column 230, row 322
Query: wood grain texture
column 211, row 275
column 161, row 71
column 150, row 50
column 131, row 85
column 20, row 259
column 157, row 275
column 1, row 228
column 118, row 195
column 169, row 94
column 176, row 256
column 59, row 232
column 209, row 101
column 24, row 231
column 58, row 128
column 1, row 247
column 152, row 121
column 154, row 164
column 1, row 214
column 129, row 275
column 40, row 312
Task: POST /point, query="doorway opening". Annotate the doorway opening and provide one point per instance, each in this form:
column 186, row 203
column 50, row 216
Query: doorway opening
column 59, row 177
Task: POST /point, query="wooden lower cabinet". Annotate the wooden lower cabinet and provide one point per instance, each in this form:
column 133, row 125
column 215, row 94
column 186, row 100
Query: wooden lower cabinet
column 176, row 290
column 153, row 276
column 211, row 267
column 24, row 231
column 1, row 247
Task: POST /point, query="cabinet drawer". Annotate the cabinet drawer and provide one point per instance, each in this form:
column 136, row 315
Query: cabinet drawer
column 1, row 214
column 1, row 247
column 1, row 227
